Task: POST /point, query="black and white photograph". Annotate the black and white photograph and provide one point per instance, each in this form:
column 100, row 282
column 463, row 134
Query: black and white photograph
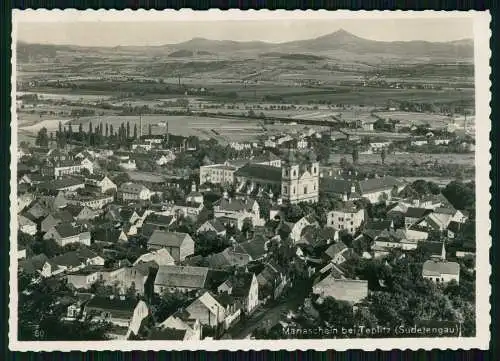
column 249, row 180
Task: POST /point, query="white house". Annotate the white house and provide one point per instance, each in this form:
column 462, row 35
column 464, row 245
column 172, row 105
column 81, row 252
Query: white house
column 66, row 233
column 192, row 332
column 165, row 158
column 128, row 164
column 126, row 315
column 161, row 257
column 102, row 182
column 348, row 218
column 26, row 225
column 441, row 271
column 145, row 146
column 349, row 290
column 133, row 191
column 238, row 210
column 302, row 143
column 298, row 227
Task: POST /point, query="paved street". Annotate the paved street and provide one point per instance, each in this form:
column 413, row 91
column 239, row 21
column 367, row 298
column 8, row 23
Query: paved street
column 269, row 315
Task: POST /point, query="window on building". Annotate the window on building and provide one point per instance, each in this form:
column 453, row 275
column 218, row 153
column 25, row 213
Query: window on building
column 314, row 170
column 285, row 189
column 294, row 173
column 293, row 190
column 305, row 189
column 286, row 173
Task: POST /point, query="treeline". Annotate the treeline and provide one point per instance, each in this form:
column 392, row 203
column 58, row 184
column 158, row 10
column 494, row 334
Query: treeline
column 101, row 134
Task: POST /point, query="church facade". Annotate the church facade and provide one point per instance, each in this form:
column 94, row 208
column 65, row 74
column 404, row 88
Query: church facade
column 300, row 180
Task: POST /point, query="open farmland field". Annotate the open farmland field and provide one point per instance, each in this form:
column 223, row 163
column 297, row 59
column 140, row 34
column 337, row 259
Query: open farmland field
column 377, row 134
column 410, row 158
column 223, row 129
column 66, row 96
column 23, row 136
column 50, row 124
column 415, row 118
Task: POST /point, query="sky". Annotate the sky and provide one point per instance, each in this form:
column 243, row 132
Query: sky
column 146, row 29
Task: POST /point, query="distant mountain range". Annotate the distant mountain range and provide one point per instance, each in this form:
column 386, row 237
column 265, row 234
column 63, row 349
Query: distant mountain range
column 339, row 40
column 332, row 44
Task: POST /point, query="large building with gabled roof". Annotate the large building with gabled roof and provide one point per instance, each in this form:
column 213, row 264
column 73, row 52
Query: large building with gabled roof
column 300, row 179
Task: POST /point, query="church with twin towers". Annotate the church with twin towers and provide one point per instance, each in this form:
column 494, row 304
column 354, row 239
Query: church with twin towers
column 294, row 178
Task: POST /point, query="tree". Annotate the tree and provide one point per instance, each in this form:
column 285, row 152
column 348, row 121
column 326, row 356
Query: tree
column 135, row 131
column 168, row 303
column 343, row 163
column 338, row 313
column 355, row 155
column 70, row 131
column 40, row 313
column 48, row 247
column 90, row 129
column 150, row 129
column 379, row 210
column 128, row 130
column 111, row 130
column 293, row 213
column 80, row 129
column 383, row 155
column 42, row 140
column 107, row 130
column 461, row 195
column 247, row 226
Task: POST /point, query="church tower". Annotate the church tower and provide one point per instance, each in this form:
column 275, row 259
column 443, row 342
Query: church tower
column 300, row 179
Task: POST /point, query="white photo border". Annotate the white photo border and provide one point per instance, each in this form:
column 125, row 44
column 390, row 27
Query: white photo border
column 482, row 55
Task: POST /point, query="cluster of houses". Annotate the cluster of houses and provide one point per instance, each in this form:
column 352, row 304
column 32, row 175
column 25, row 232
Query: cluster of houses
column 81, row 206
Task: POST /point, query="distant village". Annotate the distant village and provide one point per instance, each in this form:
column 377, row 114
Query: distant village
column 218, row 252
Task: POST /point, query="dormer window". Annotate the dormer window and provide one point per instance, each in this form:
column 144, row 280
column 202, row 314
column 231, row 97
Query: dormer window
column 314, row 170
column 294, row 173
